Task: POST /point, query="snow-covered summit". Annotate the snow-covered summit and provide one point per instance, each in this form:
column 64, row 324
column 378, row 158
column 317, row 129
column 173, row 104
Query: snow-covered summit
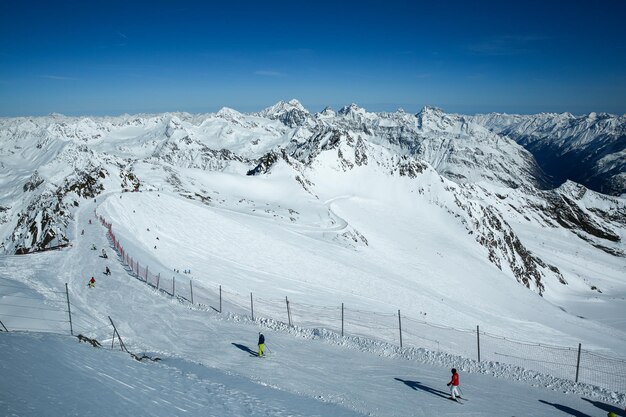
column 434, row 119
column 291, row 113
column 228, row 113
column 327, row 112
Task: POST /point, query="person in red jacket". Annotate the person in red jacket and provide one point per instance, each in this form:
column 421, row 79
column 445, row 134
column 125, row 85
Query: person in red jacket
column 454, row 384
column 92, row 282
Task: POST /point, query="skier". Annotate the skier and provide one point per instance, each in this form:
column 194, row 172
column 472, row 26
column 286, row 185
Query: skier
column 454, row 384
column 89, row 221
column 261, row 345
column 92, row 282
column 107, row 271
column 82, row 232
column 93, row 246
column 104, row 254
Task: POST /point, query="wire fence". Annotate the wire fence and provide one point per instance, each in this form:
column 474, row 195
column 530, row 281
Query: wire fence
column 23, row 308
column 47, row 311
column 573, row 362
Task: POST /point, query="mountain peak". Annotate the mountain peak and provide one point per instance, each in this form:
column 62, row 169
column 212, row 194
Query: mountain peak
column 351, row 109
column 428, row 110
column 433, row 118
column 327, row 112
column 227, row 112
column 291, row 113
column 282, row 106
column 295, row 103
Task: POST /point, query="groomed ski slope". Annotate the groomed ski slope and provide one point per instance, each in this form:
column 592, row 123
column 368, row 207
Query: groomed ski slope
column 269, row 237
column 56, row 376
column 206, row 369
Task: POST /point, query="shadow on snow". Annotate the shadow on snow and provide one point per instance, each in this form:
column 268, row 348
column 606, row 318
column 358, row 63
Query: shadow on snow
column 416, row 385
column 245, row 349
column 570, row 411
column 606, row 407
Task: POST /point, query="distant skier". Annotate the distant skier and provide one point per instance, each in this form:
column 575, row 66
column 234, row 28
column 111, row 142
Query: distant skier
column 82, row 232
column 92, row 282
column 93, row 246
column 261, row 345
column 454, row 385
column 104, row 254
column 107, row 271
column 89, row 221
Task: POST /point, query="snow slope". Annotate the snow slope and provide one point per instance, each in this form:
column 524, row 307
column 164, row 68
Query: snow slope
column 428, row 214
column 206, row 367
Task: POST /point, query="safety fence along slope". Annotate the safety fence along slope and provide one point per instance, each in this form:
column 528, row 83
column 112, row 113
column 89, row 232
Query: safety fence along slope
column 566, row 362
column 26, row 309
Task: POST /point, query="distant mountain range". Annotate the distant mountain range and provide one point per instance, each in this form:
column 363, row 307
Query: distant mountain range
column 589, row 150
column 489, row 172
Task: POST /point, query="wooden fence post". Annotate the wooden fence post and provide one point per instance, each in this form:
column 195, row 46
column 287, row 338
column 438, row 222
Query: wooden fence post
column 251, row 307
column 191, row 290
column 400, row 327
column 220, row 298
column 578, row 362
column 69, row 311
column 288, row 311
column 113, row 336
column 341, row 319
column 478, row 341
column 122, row 345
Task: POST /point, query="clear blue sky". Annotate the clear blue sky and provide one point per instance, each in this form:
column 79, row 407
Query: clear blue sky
column 110, row 57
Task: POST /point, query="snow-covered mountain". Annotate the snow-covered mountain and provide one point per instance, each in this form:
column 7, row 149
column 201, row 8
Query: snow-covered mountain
column 590, row 149
column 489, row 187
column 483, row 180
column 434, row 214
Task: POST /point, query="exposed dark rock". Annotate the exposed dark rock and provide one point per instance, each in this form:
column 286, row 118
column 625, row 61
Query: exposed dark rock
column 264, row 164
column 410, row 167
column 92, row 342
column 570, row 216
column 33, row 183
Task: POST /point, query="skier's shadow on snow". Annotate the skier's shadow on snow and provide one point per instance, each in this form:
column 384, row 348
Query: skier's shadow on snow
column 245, row 349
column 570, row 411
column 416, row 385
column 606, row 407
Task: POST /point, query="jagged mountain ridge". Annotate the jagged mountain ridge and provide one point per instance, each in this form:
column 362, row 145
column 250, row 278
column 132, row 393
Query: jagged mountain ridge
column 69, row 159
column 589, row 149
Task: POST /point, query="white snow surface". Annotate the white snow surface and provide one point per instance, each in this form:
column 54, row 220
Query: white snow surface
column 332, row 223
column 206, row 368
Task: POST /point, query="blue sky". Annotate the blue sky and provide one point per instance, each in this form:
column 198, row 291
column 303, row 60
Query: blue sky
column 110, row 57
